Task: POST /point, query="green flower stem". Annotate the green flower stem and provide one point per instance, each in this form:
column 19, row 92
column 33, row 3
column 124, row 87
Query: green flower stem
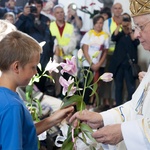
column 85, row 87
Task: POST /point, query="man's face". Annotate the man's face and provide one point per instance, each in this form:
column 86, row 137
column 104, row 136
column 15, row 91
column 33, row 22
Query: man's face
column 11, row 4
column 59, row 14
column 117, row 10
column 39, row 8
column 142, row 30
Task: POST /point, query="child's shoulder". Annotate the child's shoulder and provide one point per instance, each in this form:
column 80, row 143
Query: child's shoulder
column 8, row 99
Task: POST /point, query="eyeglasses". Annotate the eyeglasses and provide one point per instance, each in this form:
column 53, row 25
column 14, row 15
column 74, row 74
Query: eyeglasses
column 141, row 27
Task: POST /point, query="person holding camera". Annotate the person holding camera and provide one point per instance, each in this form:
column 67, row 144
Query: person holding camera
column 126, row 47
column 75, row 20
column 35, row 24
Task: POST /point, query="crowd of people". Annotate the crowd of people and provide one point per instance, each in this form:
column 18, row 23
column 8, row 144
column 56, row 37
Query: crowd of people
column 117, row 42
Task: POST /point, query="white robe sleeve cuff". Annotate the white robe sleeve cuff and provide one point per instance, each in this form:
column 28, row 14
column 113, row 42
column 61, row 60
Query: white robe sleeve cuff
column 108, row 118
column 111, row 117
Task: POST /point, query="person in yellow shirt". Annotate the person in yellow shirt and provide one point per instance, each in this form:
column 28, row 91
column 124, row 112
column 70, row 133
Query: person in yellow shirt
column 65, row 41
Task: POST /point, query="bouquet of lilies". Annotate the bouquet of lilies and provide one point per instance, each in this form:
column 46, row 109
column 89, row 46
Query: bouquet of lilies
column 73, row 94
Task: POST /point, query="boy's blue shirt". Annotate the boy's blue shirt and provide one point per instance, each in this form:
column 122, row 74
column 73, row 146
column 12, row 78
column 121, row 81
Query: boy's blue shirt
column 17, row 131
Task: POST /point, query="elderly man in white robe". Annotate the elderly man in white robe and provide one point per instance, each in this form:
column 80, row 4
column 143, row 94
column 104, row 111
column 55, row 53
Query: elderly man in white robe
column 130, row 122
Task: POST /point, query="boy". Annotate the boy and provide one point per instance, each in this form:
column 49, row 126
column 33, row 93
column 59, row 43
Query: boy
column 17, row 131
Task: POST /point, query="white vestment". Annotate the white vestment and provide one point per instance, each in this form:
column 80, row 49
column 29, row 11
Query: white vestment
column 134, row 117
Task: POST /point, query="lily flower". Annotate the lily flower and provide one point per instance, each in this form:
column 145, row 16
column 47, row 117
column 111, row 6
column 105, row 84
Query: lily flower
column 66, row 85
column 69, row 67
column 80, row 54
column 106, row 77
column 52, row 66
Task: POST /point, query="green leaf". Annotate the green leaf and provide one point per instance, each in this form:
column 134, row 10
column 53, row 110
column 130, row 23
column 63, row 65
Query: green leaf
column 83, row 141
column 85, row 127
column 28, row 97
column 39, row 106
column 78, row 106
column 69, row 130
column 88, row 134
column 92, row 148
column 75, row 99
column 68, row 144
column 87, row 131
column 50, row 77
column 83, row 137
column 95, row 86
column 29, row 88
column 94, row 89
column 76, row 132
column 69, row 88
column 90, row 78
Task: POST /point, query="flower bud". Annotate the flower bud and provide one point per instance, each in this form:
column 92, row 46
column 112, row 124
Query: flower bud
column 80, row 54
column 106, row 77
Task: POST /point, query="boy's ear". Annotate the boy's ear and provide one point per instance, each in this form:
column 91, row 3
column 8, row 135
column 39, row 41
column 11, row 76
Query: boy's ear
column 15, row 66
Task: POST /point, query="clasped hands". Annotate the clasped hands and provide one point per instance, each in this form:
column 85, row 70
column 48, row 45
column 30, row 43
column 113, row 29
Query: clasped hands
column 110, row 134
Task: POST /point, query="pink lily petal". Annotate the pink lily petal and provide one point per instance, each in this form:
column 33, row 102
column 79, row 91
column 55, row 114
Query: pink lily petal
column 66, row 85
column 69, row 67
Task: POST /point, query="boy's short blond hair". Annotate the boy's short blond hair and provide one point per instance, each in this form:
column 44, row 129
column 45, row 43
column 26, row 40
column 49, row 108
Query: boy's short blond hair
column 17, row 46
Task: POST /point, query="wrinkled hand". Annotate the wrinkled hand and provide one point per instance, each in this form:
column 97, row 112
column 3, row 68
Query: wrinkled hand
column 62, row 114
column 141, row 75
column 93, row 119
column 109, row 134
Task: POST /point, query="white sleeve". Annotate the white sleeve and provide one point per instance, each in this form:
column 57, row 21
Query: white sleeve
column 134, row 136
column 135, row 122
column 85, row 39
column 119, row 114
column 106, row 43
column 135, row 131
